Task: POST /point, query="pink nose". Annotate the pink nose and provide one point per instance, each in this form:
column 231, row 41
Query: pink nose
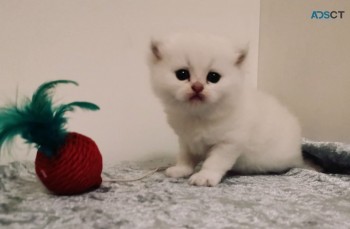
column 197, row 87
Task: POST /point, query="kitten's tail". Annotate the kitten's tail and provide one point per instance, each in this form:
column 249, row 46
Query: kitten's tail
column 330, row 157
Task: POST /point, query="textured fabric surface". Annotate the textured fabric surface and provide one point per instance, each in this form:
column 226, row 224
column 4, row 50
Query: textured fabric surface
column 299, row 198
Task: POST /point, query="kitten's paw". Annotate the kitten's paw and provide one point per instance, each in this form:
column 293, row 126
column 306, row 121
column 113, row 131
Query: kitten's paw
column 205, row 178
column 178, row 171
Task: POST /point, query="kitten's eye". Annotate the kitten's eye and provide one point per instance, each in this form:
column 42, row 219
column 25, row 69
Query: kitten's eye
column 213, row 77
column 182, row 74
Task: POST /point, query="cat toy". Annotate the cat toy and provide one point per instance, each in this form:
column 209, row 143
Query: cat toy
column 67, row 163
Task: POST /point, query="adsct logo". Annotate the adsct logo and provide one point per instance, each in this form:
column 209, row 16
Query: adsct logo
column 317, row 14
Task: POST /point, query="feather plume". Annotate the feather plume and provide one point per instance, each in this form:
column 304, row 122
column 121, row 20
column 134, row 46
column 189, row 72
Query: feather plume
column 37, row 120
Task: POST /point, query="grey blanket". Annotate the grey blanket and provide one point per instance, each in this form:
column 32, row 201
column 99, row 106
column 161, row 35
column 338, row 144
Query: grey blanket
column 299, row 198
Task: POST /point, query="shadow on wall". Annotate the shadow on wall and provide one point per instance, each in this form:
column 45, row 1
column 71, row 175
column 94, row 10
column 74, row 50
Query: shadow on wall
column 304, row 61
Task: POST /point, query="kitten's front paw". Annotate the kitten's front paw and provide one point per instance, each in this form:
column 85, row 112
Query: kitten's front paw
column 205, row 178
column 178, row 171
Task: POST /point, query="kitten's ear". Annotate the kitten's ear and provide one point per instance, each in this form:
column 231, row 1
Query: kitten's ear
column 242, row 56
column 155, row 49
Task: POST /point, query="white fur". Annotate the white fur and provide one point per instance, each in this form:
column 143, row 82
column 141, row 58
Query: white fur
column 235, row 127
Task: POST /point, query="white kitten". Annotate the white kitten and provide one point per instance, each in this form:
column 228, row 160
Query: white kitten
column 218, row 119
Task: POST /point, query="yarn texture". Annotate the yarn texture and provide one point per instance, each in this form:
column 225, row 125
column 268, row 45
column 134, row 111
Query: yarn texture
column 76, row 168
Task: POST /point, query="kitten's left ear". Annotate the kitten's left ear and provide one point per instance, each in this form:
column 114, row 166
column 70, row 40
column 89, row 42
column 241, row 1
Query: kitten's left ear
column 242, row 56
column 155, row 49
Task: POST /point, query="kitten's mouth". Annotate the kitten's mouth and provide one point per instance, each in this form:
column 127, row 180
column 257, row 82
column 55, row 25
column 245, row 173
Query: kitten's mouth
column 197, row 98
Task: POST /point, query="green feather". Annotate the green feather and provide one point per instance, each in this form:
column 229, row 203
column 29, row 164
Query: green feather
column 81, row 105
column 38, row 121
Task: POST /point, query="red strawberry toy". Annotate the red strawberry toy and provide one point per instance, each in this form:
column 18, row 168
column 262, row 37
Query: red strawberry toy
column 66, row 163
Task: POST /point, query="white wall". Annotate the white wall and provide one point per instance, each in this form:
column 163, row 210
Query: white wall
column 102, row 45
column 306, row 63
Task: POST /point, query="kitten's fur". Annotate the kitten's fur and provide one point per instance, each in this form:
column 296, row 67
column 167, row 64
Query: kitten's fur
column 227, row 125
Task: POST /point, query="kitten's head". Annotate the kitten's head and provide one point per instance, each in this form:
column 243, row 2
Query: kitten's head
column 194, row 70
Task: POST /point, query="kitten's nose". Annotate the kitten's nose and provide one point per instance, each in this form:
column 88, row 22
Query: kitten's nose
column 197, row 87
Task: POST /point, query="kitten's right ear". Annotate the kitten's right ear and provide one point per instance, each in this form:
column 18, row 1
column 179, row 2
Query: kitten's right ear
column 155, row 49
column 242, row 55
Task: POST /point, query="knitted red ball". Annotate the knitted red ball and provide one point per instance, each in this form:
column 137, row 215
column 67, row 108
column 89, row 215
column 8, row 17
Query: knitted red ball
column 76, row 168
column 66, row 163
